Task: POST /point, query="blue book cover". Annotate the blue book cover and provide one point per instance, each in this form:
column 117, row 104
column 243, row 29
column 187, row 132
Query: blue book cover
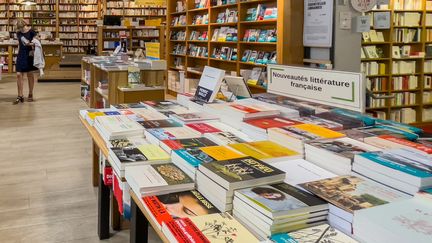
column 282, row 238
column 194, row 156
column 367, row 120
column 160, row 134
column 112, row 113
column 399, row 125
column 406, row 164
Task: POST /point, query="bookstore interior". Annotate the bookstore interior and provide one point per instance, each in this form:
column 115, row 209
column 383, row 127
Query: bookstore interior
column 243, row 121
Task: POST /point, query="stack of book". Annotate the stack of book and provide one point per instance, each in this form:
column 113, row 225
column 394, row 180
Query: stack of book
column 299, row 171
column 217, row 180
column 336, row 155
column 278, row 208
column 220, row 227
column 114, row 127
column 295, row 136
column 283, row 110
column 404, row 221
column 175, row 205
column 194, row 117
column 189, row 159
column 405, row 169
column 165, row 123
column 266, row 150
column 349, row 194
column 146, row 114
column 227, row 134
column 257, row 128
column 158, row 179
column 145, row 154
column 391, row 142
column 166, row 107
column 90, row 115
column 187, row 143
column 155, row 136
column 323, row 233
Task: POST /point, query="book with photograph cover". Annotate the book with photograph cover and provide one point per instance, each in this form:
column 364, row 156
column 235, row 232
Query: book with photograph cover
column 351, row 193
column 188, row 143
column 159, row 123
column 345, row 147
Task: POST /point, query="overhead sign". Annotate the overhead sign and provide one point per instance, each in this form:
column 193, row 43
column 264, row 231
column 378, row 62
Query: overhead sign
column 318, row 23
column 335, row 88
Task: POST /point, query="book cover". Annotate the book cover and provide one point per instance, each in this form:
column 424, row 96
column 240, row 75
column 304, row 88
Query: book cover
column 153, row 152
column 127, row 142
column 226, row 138
column 352, row 193
column 171, row 174
column 195, row 116
column 271, row 122
column 188, row 143
column 129, row 154
column 318, row 234
column 404, row 160
column 184, row 230
column 345, row 147
column 378, row 130
column 159, row 123
column 242, row 169
column 178, row 205
column 318, row 131
column 347, row 121
column 128, row 106
column 221, row 152
column 222, row 228
column 243, row 108
column 320, row 122
column 203, row 128
column 280, row 197
column 263, row 149
column 404, row 142
column 173, row 133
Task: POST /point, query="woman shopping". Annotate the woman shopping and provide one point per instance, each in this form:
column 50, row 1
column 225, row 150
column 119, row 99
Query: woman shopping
column 24, row 62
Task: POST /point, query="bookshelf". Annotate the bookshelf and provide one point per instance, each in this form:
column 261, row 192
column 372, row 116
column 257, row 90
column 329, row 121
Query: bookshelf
column 110, row 36
column 191, row 31
column 129, row 10
column 397, row 62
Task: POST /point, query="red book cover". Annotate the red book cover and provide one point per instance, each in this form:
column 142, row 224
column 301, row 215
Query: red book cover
column 185, row 231
column 173, row 144
column 272, row 122
column 108, row 176
column 407, row 143
column 157, row 209
column 244, row 109
column 118, row 193
column 203, row 128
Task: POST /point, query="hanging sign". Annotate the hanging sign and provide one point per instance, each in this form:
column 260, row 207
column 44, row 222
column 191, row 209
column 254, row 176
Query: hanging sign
column 335, row 88
column 363, row 6
column 318, row 23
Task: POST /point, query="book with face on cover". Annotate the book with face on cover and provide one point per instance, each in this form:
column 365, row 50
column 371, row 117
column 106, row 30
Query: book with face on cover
column 175, row 205
column 323, row 233
column 278, row 200
column 217, row 228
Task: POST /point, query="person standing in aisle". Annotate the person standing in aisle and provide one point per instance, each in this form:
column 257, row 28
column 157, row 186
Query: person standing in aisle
column 24, row 62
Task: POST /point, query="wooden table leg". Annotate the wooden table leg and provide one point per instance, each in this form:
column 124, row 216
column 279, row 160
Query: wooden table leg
column 139, row 225
column 103, row 210
column 95, row 168
column 115, row 214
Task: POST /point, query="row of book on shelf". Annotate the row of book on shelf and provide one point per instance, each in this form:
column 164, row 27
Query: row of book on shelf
column 268, row 168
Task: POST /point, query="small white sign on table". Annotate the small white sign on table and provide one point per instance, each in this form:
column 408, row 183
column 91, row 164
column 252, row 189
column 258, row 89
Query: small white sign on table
column 335, row 88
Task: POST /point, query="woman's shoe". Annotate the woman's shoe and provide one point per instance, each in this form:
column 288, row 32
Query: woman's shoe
column 18, row 100
column 30, row 98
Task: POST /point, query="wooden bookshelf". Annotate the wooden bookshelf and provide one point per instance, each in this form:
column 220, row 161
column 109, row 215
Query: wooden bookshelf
column 136, row 37
column 385, row 83
column 289, row 46
column 133, row 12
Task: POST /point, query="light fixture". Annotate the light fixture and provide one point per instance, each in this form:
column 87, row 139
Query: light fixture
column 28, row 2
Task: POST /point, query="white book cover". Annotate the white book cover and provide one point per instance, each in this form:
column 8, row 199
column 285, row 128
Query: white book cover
column 148, row 114
column 209, row 84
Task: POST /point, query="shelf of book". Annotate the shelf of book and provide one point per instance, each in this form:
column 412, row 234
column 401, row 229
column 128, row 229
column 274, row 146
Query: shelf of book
column 109, row 37
column 399, row 55
column 203, row 33
column 131, row 11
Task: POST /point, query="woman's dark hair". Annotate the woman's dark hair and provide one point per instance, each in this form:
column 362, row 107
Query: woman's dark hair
column 266, row 190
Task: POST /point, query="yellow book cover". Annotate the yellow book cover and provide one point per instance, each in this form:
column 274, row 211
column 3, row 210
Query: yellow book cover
column 221, row 153
column 320, row 131
column 263, row 150
column 382, row 68
column 154, row 152
column 93, row 115
column 222, row 228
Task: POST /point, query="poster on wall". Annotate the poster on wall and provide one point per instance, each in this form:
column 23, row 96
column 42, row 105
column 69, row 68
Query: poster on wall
column 318, row 23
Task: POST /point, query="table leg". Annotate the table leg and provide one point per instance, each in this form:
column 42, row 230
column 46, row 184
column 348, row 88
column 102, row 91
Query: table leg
column 103, row 210
column 115, row 214
column 139, row 225
column 95, row 168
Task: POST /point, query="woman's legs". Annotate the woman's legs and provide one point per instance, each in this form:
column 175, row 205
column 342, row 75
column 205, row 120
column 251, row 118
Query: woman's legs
column 20, row 83
column 31, row 81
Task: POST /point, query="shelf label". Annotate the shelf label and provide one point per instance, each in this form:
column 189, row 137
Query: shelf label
column 334, row 88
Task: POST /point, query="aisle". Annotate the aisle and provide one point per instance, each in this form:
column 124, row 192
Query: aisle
column 45, row 173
